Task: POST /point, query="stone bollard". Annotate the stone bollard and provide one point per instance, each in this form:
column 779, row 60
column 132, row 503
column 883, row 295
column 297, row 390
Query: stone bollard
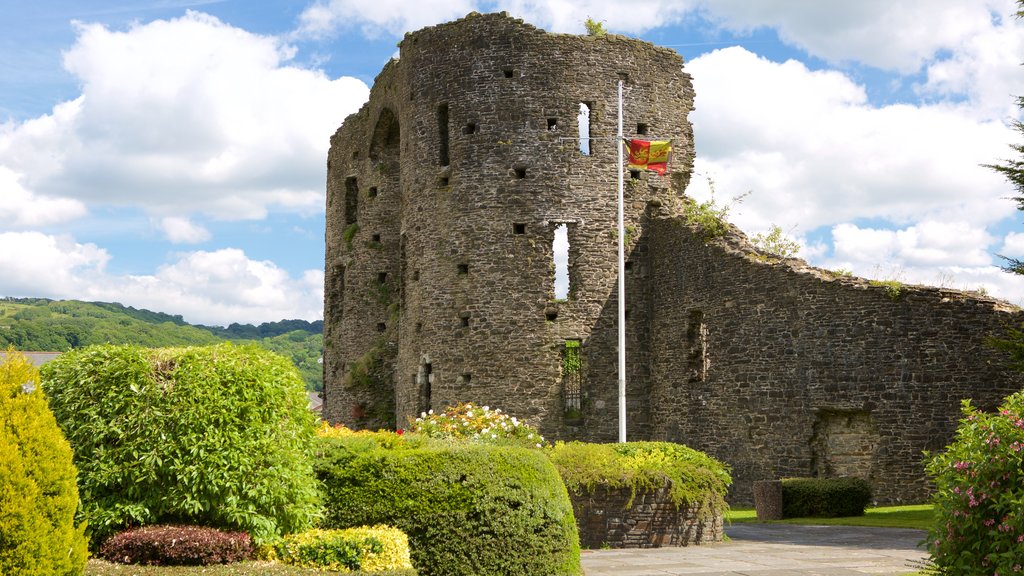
column 768, row 499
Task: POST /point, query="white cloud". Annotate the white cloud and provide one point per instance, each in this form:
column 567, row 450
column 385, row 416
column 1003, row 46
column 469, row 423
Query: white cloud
column 1013, row 246
column 394, row 17
column 215, row 288
column 814, row 153
column 36, row 264
column 21, row 208
column 186, row 114
column 183, row 231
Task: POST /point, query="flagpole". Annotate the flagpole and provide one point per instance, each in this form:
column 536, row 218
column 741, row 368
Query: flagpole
column 622, row 289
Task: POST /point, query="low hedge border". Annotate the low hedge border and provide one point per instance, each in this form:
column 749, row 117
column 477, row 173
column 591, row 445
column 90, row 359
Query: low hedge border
column 372, row 549
column 825, row 497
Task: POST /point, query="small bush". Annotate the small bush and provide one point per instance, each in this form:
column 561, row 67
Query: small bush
column 979, row 488
column 214, row 436
column 469, row 509
column 478, row 424
column 177, row 546
column 38, row 495
column 367, row 549
column 695, row 477
column 825, row 497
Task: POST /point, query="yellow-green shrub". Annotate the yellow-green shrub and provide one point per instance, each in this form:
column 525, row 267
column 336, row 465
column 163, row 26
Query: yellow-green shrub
column 365, row 548
column 38, row 495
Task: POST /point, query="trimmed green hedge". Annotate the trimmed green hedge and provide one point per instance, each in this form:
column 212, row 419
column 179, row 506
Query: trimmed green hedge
column 472, row 510
column 695, row 477
column 824, row 497
column 216, row 436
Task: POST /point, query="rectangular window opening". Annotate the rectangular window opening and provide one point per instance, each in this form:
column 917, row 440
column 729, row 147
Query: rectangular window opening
column 585, row 131
column 508, row 72
column 442, row 181
column 466, row 378
column 415, row 275
column 519, row 171
column 519, row 228
column 463, row 269
column 469, row 128
column 464, row 320
column 572, row 380
column 641, row 129
column 426, row 382
column 560, row 256
column 351, row 200
column 697, row 345
column 442, row 130
column 634, row 174
column 419, row 327
column 629, row 264
column 552, row 124
column 376, row 238
column 381, row 327
column 382, row 277
column 373, row 192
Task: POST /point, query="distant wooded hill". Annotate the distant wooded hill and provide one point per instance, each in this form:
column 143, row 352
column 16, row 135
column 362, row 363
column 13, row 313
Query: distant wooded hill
column 43, row 325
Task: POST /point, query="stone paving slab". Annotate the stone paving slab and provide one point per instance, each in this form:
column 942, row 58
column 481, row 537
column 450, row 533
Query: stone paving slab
column 772, row 550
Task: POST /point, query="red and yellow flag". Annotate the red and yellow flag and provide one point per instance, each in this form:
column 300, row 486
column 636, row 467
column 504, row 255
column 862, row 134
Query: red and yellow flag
column 649, row 155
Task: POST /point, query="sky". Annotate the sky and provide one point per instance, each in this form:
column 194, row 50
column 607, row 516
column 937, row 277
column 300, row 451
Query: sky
column 171, row 154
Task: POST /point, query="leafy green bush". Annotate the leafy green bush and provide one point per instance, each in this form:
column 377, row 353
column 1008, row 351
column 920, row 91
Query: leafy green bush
column 38, row 495
column 216, row 436
column 479, row 424
column 695, row 477
column 979, row 488
column 366, row 548
column 469, row 509
column 177, row 546
column 824, row 497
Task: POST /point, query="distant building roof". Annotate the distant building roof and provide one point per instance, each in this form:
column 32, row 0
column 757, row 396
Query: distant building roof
column 37, row 358
column 316, row 403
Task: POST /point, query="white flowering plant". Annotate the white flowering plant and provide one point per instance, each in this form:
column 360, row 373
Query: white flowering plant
column 468, row 421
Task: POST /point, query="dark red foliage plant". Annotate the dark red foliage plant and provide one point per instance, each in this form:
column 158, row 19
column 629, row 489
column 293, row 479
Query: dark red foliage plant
column 177, row 546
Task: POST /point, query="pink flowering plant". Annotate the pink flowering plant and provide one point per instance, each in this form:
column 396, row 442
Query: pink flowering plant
column 478, row 424
column 979, row 498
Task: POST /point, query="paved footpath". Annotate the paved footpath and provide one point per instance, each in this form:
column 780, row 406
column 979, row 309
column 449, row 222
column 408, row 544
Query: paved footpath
column 772, row 550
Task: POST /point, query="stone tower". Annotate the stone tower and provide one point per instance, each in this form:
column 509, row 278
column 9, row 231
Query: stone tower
column 445, row 194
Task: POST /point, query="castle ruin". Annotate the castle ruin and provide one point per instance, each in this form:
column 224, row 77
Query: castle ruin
column 487, row 140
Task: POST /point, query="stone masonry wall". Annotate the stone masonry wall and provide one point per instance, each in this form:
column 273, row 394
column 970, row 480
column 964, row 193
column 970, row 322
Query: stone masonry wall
column 784, row 370
column 617, row 518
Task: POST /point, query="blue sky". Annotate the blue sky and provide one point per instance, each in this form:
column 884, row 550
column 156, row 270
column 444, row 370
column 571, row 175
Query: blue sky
column 170, row 154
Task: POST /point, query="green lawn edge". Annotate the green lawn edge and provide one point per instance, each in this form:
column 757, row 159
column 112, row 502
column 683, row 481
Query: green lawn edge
column 916, row 516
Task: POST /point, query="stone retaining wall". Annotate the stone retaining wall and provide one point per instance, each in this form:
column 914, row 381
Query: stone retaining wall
column 608, row 518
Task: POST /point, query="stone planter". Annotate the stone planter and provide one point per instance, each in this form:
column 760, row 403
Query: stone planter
column 768, row 499
column 650, row 521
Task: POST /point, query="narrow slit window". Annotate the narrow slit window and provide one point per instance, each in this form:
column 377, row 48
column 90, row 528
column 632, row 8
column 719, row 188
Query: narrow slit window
column 426, row 382
column 464, row 320
column 585, row 129
column 572, row 380
column 419, row 327
column 442, row 131
column 560, row 255
column 351, row 200
column 382, row 277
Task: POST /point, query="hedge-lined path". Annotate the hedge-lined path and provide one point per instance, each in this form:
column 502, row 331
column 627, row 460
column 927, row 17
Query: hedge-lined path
column 773, row 550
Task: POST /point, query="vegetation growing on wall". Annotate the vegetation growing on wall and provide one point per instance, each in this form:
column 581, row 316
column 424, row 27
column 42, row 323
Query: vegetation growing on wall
column 776, row 243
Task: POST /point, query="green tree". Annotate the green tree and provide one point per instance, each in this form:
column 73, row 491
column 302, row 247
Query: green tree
column 38, row 494
column 1013, row 168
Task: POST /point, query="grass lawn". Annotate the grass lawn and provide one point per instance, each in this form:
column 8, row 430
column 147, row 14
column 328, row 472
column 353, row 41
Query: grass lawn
column 917, row 516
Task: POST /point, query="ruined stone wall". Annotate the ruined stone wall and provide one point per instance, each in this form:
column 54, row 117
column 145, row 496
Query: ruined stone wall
column 784, row 370
column 484, row 165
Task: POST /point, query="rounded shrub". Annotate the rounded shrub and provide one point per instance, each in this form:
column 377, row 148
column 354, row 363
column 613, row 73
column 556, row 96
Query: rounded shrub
column 216, row 436
column 38, row 495
column 979, row 488
column 366, row 548
column 468, row 509
column 177, row 546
